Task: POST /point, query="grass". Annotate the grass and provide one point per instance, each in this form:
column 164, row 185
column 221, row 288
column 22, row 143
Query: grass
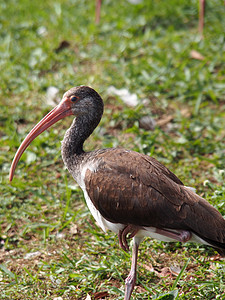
column 145, row 48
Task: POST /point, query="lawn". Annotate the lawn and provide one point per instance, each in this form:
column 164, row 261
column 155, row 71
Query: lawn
column 50, row 244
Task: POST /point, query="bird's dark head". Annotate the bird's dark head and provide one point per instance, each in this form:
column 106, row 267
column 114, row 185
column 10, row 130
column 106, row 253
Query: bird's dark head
column 80, row 101
column 83, row 100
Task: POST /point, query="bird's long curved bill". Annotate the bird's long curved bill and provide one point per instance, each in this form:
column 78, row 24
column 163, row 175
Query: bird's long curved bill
column 60, row 111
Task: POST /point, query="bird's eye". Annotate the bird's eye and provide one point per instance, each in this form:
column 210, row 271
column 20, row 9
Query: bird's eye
column 73, row 99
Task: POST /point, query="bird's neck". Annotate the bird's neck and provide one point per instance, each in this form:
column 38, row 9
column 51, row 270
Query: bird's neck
column 72, row 144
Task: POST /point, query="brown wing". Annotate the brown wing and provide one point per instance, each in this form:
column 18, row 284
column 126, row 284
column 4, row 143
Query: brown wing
column 131, row 188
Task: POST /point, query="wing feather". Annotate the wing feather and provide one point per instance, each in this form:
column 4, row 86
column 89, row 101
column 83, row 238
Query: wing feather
column 132, row 188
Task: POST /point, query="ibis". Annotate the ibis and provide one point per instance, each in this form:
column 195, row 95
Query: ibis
column 127, row 192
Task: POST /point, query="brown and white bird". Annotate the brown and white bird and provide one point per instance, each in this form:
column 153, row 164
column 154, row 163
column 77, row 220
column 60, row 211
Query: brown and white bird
column 127, row 192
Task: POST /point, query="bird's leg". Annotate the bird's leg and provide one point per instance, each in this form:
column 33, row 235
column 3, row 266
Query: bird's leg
column 180, row 235
column 131, row 279
column 201, row 16
column 98, row 11
column 122, row 235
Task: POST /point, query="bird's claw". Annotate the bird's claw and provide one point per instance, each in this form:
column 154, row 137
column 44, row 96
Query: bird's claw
column 128, row 232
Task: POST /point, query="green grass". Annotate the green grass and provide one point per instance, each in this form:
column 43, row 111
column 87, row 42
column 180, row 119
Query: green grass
column 145, row 48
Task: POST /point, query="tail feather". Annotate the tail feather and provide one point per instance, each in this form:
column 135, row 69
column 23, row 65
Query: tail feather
column 220, row 247
column 221, row 251
column 207, row 223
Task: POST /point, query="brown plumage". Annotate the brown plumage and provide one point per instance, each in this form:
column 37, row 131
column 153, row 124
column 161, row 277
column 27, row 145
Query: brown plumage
column 127, row 192
column 132, row 188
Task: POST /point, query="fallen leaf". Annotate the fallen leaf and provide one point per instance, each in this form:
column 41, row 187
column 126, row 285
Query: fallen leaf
column 164, row 120
column 147, row 267
column 164, row 272
column 175, row 270
column 100, row 295
column 196, row 55
column 215, row 257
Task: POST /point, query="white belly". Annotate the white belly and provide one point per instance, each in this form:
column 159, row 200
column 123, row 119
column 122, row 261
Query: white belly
column 102, row 222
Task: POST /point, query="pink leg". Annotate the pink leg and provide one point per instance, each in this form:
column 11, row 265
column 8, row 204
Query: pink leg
column 132, row 230
column 180, row 235
column 98, row 11
column 131, row 279
column 201, row 16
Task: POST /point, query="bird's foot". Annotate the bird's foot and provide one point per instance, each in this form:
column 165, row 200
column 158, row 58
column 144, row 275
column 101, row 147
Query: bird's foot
column 184, row 236
column 130, row 283
column 179, row 235
column 128, row 229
